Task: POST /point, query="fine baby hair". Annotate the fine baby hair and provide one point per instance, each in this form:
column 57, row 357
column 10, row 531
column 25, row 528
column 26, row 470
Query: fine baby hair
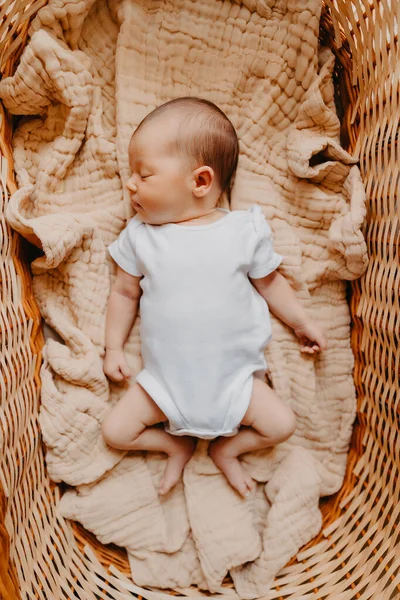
column 204, row 136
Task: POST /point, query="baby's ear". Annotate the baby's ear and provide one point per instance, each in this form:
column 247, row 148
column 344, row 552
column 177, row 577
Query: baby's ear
column 203, row 178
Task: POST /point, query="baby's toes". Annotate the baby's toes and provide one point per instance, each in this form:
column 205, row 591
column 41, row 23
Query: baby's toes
column 242, row 489
column 249, row 484
column 307, row 350
column 162, row 487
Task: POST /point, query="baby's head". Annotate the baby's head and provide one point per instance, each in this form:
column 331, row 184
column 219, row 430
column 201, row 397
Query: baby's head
column 183, row 157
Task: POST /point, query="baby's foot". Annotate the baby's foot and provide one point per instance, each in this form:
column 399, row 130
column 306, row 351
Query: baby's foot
column 175, row 463
column 232, row 468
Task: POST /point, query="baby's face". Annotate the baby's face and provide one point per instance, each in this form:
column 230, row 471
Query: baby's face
column 161, row 182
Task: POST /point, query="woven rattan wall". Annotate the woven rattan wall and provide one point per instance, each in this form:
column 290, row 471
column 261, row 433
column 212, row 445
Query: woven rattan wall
column 357, row 554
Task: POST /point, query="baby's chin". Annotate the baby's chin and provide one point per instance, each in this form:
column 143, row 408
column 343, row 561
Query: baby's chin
column 153, row 219
column 150, row 220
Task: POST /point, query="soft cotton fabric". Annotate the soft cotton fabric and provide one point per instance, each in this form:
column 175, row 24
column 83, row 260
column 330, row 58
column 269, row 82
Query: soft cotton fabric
column 89, row 73
column 204, row 326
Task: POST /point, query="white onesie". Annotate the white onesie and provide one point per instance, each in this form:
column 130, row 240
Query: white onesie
column 203, row 324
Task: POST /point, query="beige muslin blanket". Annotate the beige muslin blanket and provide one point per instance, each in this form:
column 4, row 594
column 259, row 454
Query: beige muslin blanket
column 90, row 72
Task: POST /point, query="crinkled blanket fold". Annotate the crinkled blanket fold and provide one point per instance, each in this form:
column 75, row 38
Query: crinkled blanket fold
column 88, row 75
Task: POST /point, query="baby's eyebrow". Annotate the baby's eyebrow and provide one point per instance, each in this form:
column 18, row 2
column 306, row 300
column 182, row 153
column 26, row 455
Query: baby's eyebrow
column 135, row 161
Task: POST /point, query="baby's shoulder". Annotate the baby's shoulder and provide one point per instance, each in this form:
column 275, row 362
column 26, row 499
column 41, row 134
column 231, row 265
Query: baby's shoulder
column 253, row 215
column 250, row 214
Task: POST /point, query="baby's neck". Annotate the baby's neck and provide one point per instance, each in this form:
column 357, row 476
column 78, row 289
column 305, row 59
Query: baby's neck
column 210, row 217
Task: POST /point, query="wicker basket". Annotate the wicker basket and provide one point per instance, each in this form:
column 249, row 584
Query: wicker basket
column 42, row 556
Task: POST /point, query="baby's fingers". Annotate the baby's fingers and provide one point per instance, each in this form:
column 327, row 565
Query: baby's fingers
column 126, row 372
column 114, row 372
column 306, row 350
column 115, row 375
column 320, row 341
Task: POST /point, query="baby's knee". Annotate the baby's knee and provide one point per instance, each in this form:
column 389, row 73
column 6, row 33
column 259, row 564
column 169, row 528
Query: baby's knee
column 287, row 425
column 109, row 433
column 114, row 435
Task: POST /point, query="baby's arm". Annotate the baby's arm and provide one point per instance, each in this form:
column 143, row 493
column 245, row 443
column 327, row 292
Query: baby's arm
column 122, row 308
column 282, row 301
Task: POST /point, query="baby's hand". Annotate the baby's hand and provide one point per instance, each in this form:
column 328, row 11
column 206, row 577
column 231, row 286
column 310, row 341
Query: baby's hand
column 311, row 338
column 115, row 365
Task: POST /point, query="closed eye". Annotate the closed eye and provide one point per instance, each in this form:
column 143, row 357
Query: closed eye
column 145, row 176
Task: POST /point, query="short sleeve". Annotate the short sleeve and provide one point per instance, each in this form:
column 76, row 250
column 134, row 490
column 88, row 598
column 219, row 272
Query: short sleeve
column 265, row 259
column 123, row 249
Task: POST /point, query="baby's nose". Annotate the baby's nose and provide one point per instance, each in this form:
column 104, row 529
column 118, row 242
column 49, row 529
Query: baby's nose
column 131, row 185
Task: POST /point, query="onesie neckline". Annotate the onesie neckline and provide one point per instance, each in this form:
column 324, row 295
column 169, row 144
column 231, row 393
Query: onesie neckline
column 206, row 226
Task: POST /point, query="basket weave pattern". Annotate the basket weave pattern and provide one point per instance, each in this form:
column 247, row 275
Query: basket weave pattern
column 356, row 555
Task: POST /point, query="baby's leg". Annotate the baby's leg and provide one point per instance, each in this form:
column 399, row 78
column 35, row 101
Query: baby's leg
column 268, row 422
column 127, row 427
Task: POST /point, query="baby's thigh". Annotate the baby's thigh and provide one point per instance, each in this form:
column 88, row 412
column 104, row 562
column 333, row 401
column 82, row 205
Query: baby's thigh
column 132, row 413
column 267, row 413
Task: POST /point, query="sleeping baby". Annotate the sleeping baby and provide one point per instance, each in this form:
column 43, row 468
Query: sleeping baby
column 206, row 278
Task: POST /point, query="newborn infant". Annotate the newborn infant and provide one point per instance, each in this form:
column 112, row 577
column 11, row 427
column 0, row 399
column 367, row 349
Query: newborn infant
column 206, row 278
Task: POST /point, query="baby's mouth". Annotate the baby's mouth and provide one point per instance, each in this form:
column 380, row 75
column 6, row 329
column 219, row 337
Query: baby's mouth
column 135, row 204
